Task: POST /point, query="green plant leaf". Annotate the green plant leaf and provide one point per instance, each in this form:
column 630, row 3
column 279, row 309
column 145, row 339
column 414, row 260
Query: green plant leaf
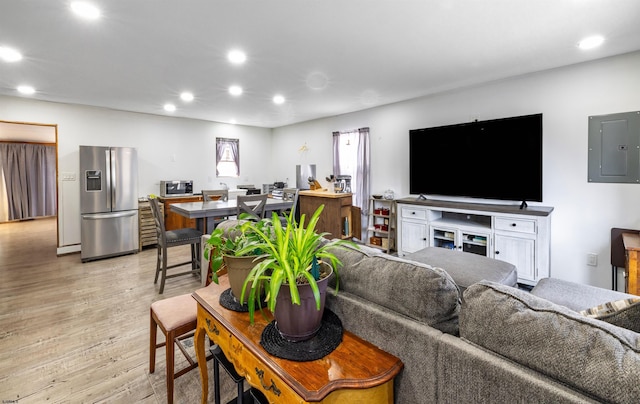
column 289, row 253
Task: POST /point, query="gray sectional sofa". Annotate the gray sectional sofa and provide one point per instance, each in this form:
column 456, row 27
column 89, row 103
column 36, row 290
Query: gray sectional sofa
column 494, row 343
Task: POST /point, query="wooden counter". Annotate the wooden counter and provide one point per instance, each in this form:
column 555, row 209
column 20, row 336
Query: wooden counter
column 339, row 217
column 173, row 220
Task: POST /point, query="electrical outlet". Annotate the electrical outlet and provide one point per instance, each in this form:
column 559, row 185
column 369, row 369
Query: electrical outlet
column 592, row 259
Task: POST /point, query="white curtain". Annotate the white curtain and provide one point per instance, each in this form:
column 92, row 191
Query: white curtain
column 29, row 173
column 352, row 156
column 227, row 157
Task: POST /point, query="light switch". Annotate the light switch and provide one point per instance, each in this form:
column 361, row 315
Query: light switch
column 68, row 176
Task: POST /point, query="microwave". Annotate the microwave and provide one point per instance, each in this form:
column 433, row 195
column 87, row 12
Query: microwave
column 176, row 188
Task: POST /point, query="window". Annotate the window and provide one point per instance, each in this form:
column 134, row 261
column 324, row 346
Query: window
column 227, row 157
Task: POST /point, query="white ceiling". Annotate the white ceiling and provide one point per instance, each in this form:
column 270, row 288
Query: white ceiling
column 142, row 54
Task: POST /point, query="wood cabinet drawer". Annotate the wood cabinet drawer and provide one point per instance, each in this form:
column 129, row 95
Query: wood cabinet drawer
column 258, row 375
column 515, row 225
column 217, row 333
column 411, row 213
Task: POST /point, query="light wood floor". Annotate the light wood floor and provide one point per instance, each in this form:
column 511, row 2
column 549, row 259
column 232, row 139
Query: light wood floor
column 79, row 333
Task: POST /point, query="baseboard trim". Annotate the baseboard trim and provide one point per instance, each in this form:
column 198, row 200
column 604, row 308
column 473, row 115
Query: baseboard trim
column 69, row 249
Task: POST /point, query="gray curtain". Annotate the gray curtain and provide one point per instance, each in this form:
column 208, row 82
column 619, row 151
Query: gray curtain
column 30, row 176
column 336, row 153
column 234, row 144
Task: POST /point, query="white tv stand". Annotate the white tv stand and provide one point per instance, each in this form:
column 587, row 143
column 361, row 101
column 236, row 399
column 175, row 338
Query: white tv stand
column 505, row 232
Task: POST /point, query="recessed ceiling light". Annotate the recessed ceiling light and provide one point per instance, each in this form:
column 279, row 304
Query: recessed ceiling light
column 317, row 81
column 85, row 10
column 235, row 90
column 169, row 107
column 28, row 90
column 237, row 56
column 186, row 96
column 278, row 99
column 591, row 42
column 9, row 54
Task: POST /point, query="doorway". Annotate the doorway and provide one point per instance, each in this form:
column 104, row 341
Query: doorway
column 31, row 135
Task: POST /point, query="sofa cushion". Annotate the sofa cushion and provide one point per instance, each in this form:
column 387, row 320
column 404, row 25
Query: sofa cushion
column 584, row 353
column 467, row 268
column 415, row 290
column 573, row 295
column 623, row 313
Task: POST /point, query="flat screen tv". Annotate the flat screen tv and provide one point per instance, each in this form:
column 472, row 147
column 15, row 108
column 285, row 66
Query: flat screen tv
column 495, row 159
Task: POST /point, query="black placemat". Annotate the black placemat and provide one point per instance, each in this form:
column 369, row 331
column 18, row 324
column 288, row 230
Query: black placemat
column 229, row 301
column 322, row 344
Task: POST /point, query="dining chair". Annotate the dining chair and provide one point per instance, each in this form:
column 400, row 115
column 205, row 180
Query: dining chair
column 173, row 238
column 215, row 195
column 289, row 194
column 254, row 205
column 208, row 193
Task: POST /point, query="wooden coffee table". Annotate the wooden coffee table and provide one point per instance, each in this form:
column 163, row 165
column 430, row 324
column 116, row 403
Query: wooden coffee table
column 355, row 372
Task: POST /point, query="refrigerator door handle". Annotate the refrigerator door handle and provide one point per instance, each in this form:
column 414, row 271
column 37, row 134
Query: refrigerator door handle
column 100, row 216
column 114, row 185
column 107, row 179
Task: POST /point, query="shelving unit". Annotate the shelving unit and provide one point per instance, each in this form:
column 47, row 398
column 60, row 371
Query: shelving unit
column 381, row 227
column 147, row 226
column 462, row 232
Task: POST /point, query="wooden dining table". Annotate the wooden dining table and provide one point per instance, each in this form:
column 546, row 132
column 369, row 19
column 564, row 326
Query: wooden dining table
column 201, row 211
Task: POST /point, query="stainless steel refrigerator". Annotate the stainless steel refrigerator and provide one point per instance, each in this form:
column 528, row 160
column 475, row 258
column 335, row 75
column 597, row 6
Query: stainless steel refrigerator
column 108, row 201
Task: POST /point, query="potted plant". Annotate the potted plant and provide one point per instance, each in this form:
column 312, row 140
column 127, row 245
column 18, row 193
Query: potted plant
column 225, row 249
column 295, row 270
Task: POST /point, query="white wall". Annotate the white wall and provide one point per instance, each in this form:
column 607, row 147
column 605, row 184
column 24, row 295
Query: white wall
column 584, row 212
column 168, row 148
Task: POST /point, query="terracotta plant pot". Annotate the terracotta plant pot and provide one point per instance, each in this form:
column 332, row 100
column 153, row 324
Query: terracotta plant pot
column 238, row 269
column 301, row 322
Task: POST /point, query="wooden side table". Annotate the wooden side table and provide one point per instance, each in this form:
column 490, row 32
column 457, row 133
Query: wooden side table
column 632, row 247
column 355, row 372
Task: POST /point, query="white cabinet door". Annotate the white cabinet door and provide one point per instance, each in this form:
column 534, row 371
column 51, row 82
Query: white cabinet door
column 471, row 241
column 519, row 251
column 475, row 242
column 414, row 236
column 443, row 237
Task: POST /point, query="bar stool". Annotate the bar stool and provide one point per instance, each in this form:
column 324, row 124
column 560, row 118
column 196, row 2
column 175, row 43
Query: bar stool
column 176, row 318
column 257, row 396
column 219, row 359
column 173, row 238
